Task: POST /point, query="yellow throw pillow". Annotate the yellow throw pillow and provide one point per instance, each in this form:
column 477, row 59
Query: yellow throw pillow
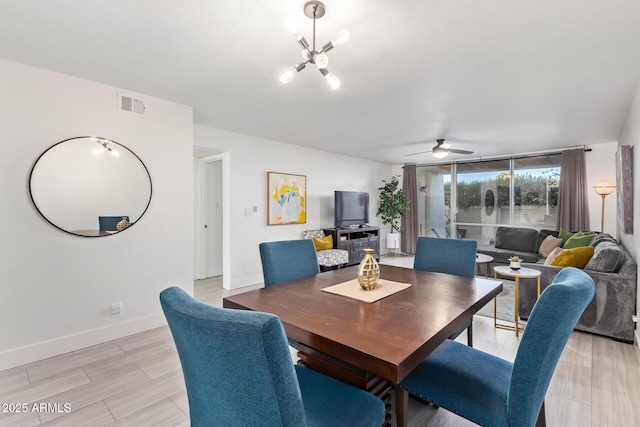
column 322, row 244
column 576, row 257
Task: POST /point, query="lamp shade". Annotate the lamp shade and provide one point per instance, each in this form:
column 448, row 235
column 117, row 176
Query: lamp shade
column 604, row 188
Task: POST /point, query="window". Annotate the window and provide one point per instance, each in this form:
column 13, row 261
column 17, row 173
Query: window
column 487, row 194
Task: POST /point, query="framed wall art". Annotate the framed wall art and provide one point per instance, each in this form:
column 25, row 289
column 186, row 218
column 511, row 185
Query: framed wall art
column 287, row 198
column 624, row 188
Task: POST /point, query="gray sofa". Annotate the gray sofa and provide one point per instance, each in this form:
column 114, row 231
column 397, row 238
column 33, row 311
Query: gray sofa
column 612, row 268
column 520, row 241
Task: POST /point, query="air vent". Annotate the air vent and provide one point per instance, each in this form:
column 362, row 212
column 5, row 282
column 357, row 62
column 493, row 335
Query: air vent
column 130, row 104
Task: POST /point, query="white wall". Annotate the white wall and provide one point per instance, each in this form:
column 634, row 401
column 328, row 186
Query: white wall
column 56, row 288
column 601, row 166
column 250, row 160
column 630, row 135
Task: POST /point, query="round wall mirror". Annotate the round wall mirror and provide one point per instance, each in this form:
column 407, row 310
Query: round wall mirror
column 489, row 202
column 90, row 186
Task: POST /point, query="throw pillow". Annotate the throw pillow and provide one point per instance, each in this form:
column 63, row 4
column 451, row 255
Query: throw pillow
column 324, row 243
column 548, row 245
column 576, row 257
column 554, row 253
column 564, row 235
column 581, row 238
column 607, row 257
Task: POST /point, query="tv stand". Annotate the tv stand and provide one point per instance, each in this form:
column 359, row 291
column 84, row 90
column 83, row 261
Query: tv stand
column 355, row 241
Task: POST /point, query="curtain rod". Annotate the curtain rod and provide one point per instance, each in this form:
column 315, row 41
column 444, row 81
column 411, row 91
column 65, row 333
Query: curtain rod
column 518, row 156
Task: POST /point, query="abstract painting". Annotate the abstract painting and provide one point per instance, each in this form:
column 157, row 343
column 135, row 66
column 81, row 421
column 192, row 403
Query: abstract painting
column 624, row 188
column 287, row 198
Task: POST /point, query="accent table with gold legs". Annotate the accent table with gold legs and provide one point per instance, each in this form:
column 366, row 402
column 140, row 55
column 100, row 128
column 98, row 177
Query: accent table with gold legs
column 483, row 259
column 522, row 273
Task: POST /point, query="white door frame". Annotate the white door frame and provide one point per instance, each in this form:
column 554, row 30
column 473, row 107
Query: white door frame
column 200, row 194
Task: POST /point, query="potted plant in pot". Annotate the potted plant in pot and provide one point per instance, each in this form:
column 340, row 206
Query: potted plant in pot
column 514, row 262
column 393, row 204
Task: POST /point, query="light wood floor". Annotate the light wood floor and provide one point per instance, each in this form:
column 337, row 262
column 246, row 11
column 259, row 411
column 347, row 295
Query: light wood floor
column 137, row 380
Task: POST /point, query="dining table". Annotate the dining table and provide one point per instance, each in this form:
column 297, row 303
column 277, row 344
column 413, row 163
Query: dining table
column 370, row 345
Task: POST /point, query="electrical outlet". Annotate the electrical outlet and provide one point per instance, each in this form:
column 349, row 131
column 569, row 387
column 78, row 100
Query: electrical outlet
column 116, row 309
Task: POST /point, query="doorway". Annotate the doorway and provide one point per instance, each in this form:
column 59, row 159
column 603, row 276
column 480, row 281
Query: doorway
column 211, row 197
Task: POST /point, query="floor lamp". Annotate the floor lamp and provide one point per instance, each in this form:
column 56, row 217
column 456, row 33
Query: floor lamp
column 603, row 188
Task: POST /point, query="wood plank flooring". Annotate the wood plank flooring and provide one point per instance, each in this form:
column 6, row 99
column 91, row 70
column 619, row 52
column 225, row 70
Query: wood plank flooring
column 137, row 380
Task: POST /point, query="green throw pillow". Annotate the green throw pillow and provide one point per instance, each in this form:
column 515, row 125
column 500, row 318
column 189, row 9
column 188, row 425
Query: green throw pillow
column 564, row 235
column 581, row 238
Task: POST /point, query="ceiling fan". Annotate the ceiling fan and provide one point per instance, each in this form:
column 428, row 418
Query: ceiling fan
column 442, row 150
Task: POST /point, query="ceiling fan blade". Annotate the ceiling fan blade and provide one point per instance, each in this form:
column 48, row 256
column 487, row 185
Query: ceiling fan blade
column 453, row 150
column 414, row 154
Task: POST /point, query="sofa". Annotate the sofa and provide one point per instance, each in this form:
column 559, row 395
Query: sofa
column 510, row 241
column 612, row 268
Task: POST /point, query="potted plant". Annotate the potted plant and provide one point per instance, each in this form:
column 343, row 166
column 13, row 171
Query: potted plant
column 514, row 262
column 393, row 204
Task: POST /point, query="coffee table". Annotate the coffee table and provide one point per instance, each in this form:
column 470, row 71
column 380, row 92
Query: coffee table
column 522, row 273
column 483, row 259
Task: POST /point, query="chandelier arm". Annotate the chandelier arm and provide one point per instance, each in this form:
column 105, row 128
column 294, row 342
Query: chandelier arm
column 327, row 47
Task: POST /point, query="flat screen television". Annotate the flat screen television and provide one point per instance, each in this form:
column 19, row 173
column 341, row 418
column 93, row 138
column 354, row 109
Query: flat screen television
column 351, row 208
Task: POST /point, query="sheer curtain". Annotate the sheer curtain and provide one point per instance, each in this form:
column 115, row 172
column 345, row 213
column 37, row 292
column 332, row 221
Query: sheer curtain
column 573, row 206
column 410, row 219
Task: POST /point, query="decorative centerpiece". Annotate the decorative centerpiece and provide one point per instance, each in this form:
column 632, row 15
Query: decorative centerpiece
column 514, row 262
column 368, row 271
column 122, row 224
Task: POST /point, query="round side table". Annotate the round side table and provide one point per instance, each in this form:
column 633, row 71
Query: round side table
column 523, row 273
column 483, row 259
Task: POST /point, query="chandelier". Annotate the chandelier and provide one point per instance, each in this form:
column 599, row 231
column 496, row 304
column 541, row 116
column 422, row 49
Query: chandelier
column 314, row 10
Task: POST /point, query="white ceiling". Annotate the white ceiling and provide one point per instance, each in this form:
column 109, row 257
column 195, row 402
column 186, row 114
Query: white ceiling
column 492, row 76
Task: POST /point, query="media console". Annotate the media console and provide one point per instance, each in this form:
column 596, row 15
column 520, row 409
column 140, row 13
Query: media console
column 355, row 241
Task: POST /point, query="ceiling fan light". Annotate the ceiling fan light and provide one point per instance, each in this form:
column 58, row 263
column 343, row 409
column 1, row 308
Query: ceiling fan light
column 342, row 37
column 440, row 154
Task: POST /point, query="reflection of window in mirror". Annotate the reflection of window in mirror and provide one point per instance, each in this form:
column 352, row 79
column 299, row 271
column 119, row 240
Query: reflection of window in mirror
column 78, row 180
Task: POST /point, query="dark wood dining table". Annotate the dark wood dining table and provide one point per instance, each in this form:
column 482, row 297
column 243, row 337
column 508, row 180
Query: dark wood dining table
column 371, row 345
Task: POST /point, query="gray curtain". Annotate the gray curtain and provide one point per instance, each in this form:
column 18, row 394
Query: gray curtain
column 573, row 206
column 410, row 219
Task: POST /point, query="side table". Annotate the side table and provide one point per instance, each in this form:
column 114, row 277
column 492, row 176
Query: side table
column 483, row 259
column 523, row 273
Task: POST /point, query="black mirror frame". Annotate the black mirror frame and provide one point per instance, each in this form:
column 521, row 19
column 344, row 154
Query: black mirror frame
column 95, row 137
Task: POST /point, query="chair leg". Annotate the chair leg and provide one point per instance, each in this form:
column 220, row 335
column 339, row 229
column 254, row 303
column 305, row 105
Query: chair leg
column 470, row 334
column 542, row 421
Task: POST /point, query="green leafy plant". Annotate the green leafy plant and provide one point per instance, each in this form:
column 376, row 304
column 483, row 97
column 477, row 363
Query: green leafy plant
column 515, row 258
column 393, row 203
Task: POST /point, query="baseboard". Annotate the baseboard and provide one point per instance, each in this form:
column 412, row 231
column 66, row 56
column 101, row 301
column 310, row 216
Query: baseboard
column 43, row 350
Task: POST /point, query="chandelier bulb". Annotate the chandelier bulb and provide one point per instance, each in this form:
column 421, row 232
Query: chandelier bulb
column 293, row 30
column 287, row 75
column 321, row 60
column 341, row 38
column 305, row 54
column 334, row 82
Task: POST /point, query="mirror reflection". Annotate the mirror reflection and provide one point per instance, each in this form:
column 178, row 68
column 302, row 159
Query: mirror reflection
column 90, row 186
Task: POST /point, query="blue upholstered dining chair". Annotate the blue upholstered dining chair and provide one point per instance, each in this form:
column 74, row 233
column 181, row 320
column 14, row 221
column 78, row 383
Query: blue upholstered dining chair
column 489, row 390
column 287, row 260
column 451, row 256
column 238, row 372
column 110, row 222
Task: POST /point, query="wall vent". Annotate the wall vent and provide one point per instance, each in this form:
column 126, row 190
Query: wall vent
column 130, row 104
